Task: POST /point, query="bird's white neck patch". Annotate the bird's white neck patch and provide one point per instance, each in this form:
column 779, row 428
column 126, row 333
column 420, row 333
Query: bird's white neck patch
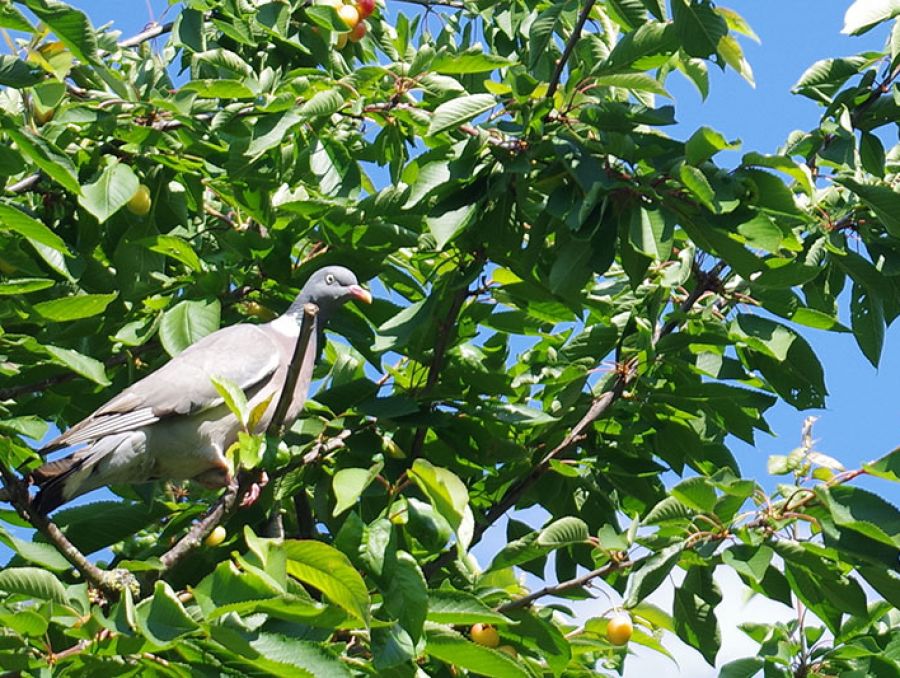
column 287, row 326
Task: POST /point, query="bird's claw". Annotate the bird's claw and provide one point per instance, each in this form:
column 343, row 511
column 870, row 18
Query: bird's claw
column 255, row 490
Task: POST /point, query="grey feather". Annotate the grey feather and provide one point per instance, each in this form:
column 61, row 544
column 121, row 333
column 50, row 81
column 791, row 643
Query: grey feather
column 174, row 424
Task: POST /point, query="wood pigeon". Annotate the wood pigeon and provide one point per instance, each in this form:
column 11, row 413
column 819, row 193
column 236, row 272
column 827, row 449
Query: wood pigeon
column 173, row 424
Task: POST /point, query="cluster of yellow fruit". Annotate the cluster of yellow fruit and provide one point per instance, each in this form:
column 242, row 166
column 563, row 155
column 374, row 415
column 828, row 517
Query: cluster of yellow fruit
column 619, row 630
column 353, row 15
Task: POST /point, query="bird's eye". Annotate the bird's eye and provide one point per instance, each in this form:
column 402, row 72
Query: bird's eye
column 329, row 279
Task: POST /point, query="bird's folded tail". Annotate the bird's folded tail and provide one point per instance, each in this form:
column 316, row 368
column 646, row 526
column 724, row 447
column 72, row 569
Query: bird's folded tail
column 51, row 481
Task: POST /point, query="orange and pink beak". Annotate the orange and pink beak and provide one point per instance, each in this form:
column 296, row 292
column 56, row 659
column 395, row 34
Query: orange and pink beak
column 361, row 294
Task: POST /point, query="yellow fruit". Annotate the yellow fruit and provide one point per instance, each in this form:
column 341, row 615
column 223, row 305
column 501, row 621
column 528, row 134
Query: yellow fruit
column 485, row 634
column 140, row 202
column 349, row 15
column 336, row 4
column 42, row 115
column 508, row 649
column 342, row 39
column 619, row 629
column 216, row 537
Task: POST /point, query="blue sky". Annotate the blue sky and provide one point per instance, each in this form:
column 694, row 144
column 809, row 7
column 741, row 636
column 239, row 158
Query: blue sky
column 860, row 421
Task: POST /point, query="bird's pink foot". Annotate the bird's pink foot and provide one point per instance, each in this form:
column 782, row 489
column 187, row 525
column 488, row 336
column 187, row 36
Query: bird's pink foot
column 254, row 490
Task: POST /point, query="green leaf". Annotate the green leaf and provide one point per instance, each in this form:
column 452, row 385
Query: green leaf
column 647, row 47
column 219, row 89
column 321, row 104
column 79, row 363
column 750, row 561
column 70, row 25
column 867, row 322
column 331, row 572
column 16, row 73
column 471, row 61
column 186, row 323
column 450, row 224
column 96, row 525
column 110, row 192
column 885, row 581
column 699, row 26
column 349, row 483
column 234, row 398
column 25, row 622
column 883, row 200
column 640, row 82
column 80, row 306
column 455, row 112
column 453, row 648
column 863, row 15
column 446, row 492
column 33, row 582
column 696, row 493
column 175, row 248
column 24, row 286
column 887, row 467
column 162, row 618
column 697, row 183
column 651, row 572
column 563, row 532
column 540, row 34
column 742, row 668
column 863, row 511
column 705, row 143
column 30, row 426
column 35, row 552
column 694, row 612
column 460, row 607
column 303, row 655
column 763, row 335
column 49, row 159
column 406, row 597
column 12, row 219
column 729, row 49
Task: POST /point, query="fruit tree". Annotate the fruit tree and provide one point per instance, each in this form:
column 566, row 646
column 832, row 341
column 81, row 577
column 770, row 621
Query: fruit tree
column 570, row 303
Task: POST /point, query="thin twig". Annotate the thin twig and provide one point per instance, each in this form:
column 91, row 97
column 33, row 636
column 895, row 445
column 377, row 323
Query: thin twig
column 570, row 45
column 152, row 31
column 436, row 3
column 705, row 281
column 26, row 184
column 584, row 579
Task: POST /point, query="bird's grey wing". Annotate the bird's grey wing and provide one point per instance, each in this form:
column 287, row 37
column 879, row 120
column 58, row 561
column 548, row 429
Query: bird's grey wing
column 244, row 354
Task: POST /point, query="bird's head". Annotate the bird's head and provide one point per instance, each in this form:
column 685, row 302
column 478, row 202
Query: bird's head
column 329, row 288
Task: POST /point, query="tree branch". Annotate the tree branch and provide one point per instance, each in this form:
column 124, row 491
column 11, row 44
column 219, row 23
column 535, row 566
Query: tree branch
column 26, row 184
column 17, row 495
column 570, row 46
column 221, row 510
column 310, row 311
column 154, row 30
column 706, row 281
column 598, row 408
column 524, row 601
